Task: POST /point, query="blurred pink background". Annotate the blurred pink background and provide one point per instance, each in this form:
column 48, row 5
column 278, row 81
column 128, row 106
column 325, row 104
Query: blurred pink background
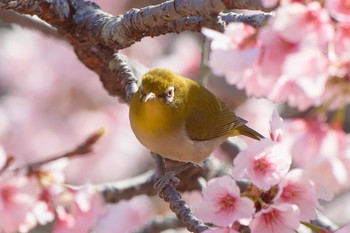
column 50, row 102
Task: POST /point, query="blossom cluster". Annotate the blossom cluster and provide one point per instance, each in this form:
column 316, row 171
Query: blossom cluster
column 37, row 197
column 279, row 196
column 300, row 57
column 40, row 115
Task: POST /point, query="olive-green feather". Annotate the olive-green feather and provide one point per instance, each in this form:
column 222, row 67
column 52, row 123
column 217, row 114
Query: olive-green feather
column 211, row 117
column 206, row 116
column 249, row 132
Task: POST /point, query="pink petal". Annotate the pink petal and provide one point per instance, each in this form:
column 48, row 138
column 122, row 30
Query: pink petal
column 276, row 219
column 277, row 127
column 264, row 162
column 222, row 204
column 297, row 189
column 339, row 9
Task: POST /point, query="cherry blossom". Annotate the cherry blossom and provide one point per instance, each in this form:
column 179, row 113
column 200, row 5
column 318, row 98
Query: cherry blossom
column 341, row 42
column 344, row 229
column 127, row 216
column 345, row 157
column 302, row 38
column 263, row 162
column 78, row 210
column 3, row 157
column 337, row 93
column 296, row 189
column 269, row 3
column 222, row 204
column 339, row 9
column 307, row 135
column 294, row 86
column 42, row 212
column 300, row 57
column 311, row 24
column 233, row 53
column 17, row 200
column 267, row 70
column 317, row 149
column 276, row 218
column 264, row 64
column 277, row 127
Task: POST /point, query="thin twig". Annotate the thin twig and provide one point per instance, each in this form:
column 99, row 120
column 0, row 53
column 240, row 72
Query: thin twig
column 82, row 149
column 9, row 161
column 29, row 22
column 128, row 188
column 255, row 20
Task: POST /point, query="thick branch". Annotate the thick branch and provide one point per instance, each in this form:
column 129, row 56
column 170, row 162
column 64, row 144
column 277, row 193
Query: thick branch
column 189, row 23
column 96, row 35
column 98, row 57
column 122, row 31
column 246, row 5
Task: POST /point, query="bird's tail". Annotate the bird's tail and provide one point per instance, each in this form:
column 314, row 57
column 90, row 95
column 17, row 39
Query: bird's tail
column 251, row 133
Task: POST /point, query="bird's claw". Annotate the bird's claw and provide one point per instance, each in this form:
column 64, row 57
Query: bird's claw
column 169, row 178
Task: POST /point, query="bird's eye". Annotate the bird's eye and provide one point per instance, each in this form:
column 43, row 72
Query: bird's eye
column 169, row 94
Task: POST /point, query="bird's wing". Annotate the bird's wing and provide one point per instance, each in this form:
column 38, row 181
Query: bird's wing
column 210, row 117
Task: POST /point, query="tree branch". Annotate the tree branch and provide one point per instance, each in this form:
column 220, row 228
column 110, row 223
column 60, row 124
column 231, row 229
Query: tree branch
column 82, row 149
column 144, row 184
column 255, row 20
column 29, row 22
column 121, row 31
column 169, row 194
column 128, row 188
column 95, row 35
column 246, row 5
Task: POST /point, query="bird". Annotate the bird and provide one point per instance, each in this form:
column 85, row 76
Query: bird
column 180, row 119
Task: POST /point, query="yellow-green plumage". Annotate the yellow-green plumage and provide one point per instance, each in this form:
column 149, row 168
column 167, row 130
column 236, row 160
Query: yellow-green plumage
column 187, row 128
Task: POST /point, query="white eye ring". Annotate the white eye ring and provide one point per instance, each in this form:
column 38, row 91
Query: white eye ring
column 169, row 94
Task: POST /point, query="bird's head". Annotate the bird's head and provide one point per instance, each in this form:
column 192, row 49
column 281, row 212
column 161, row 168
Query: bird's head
column 161, row 86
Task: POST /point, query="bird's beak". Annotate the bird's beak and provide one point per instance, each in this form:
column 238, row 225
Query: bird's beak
column 150, row 96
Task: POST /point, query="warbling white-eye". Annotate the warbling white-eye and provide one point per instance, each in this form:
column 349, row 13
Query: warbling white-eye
column 181, row 120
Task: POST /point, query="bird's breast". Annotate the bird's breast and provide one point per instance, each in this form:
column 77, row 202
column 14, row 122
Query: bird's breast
column 163, row 131
column 167, row 137
column 176, row 145
column 152, row 118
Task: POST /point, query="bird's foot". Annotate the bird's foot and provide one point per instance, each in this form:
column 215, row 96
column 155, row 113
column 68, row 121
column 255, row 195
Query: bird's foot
column 166, row 179
column 169, row 177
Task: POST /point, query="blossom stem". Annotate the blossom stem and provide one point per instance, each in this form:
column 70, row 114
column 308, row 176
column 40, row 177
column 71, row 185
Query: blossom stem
column 338, row 119
column 313, row 227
